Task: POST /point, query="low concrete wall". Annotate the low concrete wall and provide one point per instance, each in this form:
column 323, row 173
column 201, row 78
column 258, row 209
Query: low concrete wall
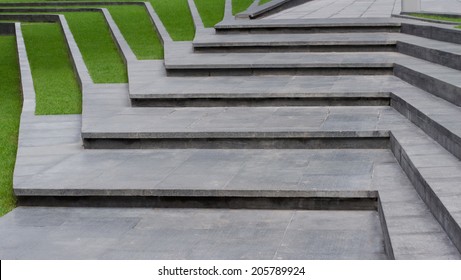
column 7, row 28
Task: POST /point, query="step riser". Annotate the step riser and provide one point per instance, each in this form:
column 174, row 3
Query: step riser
column 433, row 32
column 281, row 49
column 212, row 202
column 239, row 143
column 447, row 91
column 258, row 102
column 280, row 71
column 308, row 30
column 7, row 29
column 443, row 58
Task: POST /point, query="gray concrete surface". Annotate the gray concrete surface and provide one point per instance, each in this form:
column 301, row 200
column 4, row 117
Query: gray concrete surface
column 414, row 179
column 92, row 233
column 341, row 9
column 361, row 8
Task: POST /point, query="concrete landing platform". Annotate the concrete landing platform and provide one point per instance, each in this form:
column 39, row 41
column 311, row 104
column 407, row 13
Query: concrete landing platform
column 121, row 233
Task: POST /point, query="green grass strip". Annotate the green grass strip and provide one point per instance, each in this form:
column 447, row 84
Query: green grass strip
column 176, row 18
column 239, row 6
column 211, row 11
column 437, row 17
column 56, row 88
column 10, row 111
column 98, row 49
column 138, row 30
column 262, row 2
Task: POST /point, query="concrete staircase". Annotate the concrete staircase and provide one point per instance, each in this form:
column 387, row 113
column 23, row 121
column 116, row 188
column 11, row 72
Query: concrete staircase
column 302, row 115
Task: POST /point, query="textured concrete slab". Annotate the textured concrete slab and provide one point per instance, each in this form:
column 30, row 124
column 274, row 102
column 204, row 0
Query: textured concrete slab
column 341, row 9
column 357, row 8
column 121, row 233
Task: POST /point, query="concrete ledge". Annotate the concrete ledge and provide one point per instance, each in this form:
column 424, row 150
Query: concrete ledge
column 163, row 34
column 425, row 190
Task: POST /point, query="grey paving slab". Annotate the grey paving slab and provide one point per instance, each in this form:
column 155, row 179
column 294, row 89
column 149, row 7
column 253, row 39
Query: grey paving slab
column 174, row 171
column 181, row 56
column 340, row 9
column 121, row 233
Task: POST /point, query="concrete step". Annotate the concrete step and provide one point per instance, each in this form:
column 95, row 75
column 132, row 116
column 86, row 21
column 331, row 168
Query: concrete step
column 438, row 80
column 147, row 234
column 236, row 127
column 180, row 60
column 309, row 26
column 150, row 86
column 440, row 52
column 333, row 42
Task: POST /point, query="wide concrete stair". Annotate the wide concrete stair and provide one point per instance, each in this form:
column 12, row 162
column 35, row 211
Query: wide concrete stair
column 323, row 115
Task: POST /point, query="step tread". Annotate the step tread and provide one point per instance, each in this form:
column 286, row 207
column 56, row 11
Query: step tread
column 189, row 233
column 148, row 122
column 162, row 86
column 181, row 56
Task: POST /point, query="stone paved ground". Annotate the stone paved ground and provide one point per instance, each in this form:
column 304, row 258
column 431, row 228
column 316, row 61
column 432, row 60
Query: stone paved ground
column 361, row 8
column 346, row 153
column 341, row 9
column 114, row 233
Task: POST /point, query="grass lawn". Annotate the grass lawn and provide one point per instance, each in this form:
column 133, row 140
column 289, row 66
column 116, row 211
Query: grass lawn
column 10, row 111
column 55, row 85
column 139, row 33
column 97, row 47
column 436, row 17
column 211, row 11
column 261, row 2
column 240, row 5
column 176, row 18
